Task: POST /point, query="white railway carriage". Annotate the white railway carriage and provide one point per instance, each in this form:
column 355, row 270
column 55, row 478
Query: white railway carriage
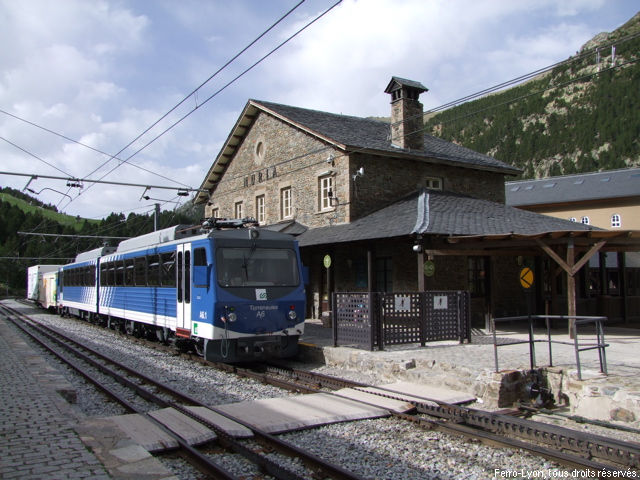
column 41, row 284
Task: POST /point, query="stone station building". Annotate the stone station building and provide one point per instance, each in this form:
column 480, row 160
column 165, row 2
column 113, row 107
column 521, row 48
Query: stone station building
column 383, row 200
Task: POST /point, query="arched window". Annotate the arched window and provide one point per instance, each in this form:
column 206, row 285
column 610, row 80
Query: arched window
column 616, row 221
column 572, row 219
column 585, row 220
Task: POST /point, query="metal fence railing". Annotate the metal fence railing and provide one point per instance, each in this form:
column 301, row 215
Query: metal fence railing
column 375, row 319
column 599, row 344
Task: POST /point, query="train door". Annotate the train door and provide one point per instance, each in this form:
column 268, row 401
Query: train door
column 183, row 284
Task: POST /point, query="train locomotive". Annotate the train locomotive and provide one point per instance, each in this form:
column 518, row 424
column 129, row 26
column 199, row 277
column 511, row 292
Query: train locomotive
column 233, row 293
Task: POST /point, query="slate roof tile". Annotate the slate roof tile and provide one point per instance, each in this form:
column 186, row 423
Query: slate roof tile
column 368, row 134
column 447, row 214
column 574, row 188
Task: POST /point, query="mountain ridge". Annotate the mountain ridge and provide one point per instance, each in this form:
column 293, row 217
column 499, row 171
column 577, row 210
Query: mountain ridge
column 579, row 117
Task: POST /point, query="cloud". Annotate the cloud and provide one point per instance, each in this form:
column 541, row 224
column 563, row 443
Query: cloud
column 343, row 63
column 103, row 71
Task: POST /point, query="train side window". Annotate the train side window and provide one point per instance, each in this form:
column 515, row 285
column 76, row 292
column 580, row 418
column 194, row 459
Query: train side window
column 140, row 271
column 187, row 276
column 119, row 273
column 169, row 269
column 179, row 270
column 153, row 273
column 199, row 257
column 103, row 274
column 128, row 272
column 200, row 269
column 110, row 274
column 92, row 273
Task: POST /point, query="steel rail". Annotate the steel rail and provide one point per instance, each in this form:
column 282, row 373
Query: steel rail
column 621, row 453
column 207, row 465
column 312, row 461
column 495, row 428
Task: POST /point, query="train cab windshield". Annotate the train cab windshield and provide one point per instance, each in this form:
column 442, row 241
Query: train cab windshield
column 257, row 267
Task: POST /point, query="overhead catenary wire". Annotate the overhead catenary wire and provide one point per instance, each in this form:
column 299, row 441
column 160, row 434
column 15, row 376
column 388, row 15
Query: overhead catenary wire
column 590, row 52
column 415, row 132
column 111, row 157
column 224, row 87
column 199, row 105
column 195, row 91
column 65, row 137
column 34, row 156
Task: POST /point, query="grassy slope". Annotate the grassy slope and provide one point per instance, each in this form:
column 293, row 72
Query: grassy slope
column 60, row 218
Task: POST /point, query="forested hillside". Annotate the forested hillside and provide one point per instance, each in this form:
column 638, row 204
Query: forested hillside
column 22, row 213
column 580, row 117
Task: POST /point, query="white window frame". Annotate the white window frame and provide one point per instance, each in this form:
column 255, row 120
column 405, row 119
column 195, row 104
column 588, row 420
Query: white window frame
column 326, row 191
column 616, row 220
column 585, row 220
column 572, row 219
column 237, row 210
column 286, row 203
column 260, row 209
column 215, row 213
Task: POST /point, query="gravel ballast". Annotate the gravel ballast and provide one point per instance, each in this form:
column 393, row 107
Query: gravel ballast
column 383, row 448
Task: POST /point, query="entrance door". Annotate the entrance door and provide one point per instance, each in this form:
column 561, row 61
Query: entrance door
column 183, row 285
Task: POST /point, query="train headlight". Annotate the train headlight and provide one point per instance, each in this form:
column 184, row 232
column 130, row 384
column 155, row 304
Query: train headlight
column 292, row 314
column 232, row 317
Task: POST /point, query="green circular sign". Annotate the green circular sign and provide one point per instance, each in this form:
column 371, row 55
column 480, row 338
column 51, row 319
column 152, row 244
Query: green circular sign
column 327, row 261
column 429, row 268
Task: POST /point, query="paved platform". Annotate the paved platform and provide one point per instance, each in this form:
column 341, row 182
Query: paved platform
column 37, row 435
column 43, row 437
column 470, row 368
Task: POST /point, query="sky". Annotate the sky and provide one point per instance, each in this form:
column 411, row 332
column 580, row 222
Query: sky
column 80, row 80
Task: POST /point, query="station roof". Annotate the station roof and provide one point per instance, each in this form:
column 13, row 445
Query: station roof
column 433, row 212
column 456, row 225
column 574, row 188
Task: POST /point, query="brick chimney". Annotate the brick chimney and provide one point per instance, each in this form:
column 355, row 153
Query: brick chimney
column 406, row 113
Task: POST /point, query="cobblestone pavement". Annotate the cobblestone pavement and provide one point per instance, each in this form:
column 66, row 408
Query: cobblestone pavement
column 37, row 440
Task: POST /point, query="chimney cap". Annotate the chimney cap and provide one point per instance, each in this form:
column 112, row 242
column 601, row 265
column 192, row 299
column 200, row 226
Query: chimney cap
column 398, row 83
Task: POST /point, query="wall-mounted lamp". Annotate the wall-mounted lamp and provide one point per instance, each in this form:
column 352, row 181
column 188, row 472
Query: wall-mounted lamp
column 417, row 246
column 359, row 173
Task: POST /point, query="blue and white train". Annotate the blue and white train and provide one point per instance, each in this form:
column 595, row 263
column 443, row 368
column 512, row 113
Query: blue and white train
column 231, row 294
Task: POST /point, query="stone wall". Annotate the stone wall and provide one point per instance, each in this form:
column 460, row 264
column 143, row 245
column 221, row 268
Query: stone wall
column 287, row 157
column 387, row 179
column 275, row 155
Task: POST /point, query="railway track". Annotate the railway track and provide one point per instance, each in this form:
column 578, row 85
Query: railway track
column 86, row 361
column 568, row 447
column 571, row 448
